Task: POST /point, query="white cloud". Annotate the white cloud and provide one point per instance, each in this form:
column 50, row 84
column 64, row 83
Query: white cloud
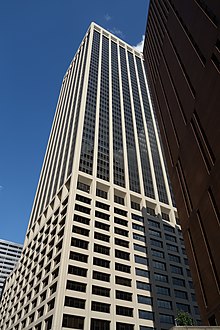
column 116, row 32
column 107, row 17
column 139, row 47
column 1, row 188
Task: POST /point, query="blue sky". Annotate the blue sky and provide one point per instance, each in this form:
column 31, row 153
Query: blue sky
column 38, row 39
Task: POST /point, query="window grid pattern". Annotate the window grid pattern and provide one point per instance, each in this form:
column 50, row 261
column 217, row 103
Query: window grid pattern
column 130, row 140
column 118, row 157
column 87, row 147
column 103, row 142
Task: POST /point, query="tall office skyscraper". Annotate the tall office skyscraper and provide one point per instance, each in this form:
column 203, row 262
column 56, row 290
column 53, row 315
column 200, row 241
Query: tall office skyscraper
column 10, row 252
column 182, row 54
column 103, row 250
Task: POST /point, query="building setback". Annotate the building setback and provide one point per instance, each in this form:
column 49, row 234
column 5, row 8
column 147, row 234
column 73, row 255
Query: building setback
column 10, row 252
column 182, row 54
column 103, row 249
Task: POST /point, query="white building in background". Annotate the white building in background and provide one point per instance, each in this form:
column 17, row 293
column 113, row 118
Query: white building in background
column 103, row 249
column 10, row 252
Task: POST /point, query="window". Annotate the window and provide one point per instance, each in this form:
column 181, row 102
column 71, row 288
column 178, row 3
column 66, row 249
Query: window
column 83, row 186
column 154, row 242
column 126, row 311
column 123, row 295
column 48, row 323
column 102, row 215
column 77, row 271
column 81, row 219
column 74, row 302
column 172, row 248
column 83, row 199
column 166, row 318
column 161, row 278
column 121, row 221
column 72, row 321
column 101, row 225
column 141, row 260
column 135, row 206
column 76, row 286
column 121, row 242
column 124, row 326
column 140, row 248
column 157, row 253
column 142, row 272
column 139, row 237
column 165, row 216
column 122, row 268
column 83, row 209
column 101, row 262
column 154, row 233
column 79, row 243
column 183, row 307
column 122, row 281
column 162, row 290
column 120, row 231
column 137, row 217
column 100, row 307
column 101, row 193
column 120, row 211
column 174, row 258
column 101, row 276
column 80, row 230
column 119, row 200
column 101, row 249
column 98, row 290
column 170, row 238
column 176, row 270
column 143, row 286
column 78, row 256
column 159, row 265
column 151, row 211
column 144, row 300
column 145, row 315
column 138, row 227
column 153, row 223
column 169, row 228
column 181, row 294
column 122, row 255
column 99, row 324
column 102, row 205
column 101, row 237
column 164, row 304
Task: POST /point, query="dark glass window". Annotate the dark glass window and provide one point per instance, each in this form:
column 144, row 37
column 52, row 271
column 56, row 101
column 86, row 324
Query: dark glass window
column 101, row 237
column 101, row 276
column 101, row 262
column 101, row 193
column 164, row 304
column 101, row 249
column 74, row 302
column 145, row 315
column 144, row 300
column 121, row 242
column 76, row 286
column 161, row 278
column 123, row 295
column 100, row 307
column 122, row 281
column 100, row 291
column 79, row 243
column 143, row 286
column 122, row 255
column 99, row 324
column 78, row 256
column 142, row 272
column 77, row 271
column 126, row 311
column 122, row 268
column 73, row 321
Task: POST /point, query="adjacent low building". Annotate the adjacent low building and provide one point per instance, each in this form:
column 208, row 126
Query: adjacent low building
column 10, row 252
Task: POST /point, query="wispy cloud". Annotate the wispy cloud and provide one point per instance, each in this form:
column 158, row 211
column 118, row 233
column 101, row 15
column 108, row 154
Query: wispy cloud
column 139, row 47
column 117, row 32
column 1, row 188
column 107, row 17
